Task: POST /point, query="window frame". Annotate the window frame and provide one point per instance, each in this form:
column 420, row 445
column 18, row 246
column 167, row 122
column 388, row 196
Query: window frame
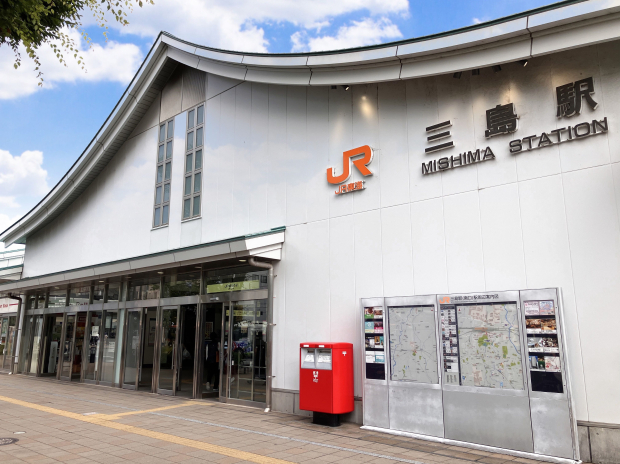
column 168, row 128
column 192, row 127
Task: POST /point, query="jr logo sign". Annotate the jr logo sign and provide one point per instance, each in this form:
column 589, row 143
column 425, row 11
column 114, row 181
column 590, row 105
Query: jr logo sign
column 360, row 163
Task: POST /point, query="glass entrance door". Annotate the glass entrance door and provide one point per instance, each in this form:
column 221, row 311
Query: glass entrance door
column 4, row 328
column 8, row 347
column 108, row 357
column 210, row 350
column 92, row 342
column 133, row 345
column 246, row 370
column 67, row 348
column 168, row 342
column 187, row 350
column 78, row 346
column 51, row 344
column 36, row 345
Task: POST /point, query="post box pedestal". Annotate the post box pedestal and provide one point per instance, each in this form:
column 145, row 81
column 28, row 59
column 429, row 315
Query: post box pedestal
column 325, row 418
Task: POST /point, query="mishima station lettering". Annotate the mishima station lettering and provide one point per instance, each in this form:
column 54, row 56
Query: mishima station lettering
column 561, row 135
column 503, row 119
column 464, row 159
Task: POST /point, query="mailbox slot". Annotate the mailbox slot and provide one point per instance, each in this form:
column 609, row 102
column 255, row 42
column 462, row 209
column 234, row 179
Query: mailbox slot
column 324, row 359
column 308, row 358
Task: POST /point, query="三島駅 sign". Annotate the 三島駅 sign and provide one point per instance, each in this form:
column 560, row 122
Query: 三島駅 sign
column 503, row 119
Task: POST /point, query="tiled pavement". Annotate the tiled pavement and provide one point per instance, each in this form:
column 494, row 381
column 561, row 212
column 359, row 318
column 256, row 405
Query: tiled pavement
column 77, row 423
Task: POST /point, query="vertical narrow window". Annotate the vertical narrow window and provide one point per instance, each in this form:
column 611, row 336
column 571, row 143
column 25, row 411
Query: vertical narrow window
column 192, row 185
column 163, row 174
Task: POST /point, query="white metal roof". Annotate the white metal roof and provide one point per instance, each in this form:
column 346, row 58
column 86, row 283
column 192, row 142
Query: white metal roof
column 558, row 27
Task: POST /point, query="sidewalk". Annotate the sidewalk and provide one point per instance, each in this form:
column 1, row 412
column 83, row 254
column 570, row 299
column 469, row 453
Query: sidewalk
column 77, row 423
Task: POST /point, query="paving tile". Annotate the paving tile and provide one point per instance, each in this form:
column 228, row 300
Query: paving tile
column 55, row 438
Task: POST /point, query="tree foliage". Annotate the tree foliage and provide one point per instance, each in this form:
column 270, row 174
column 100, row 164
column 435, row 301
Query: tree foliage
column 34, row 23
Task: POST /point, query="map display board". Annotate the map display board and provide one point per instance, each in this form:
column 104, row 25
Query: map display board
column 374, row 343
column 543, row 347
column 489, row 345
column 413, row 344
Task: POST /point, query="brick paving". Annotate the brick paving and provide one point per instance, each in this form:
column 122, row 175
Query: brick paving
column 78, row 423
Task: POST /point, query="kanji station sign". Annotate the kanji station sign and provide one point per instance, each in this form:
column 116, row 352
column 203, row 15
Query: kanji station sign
column 503, row 119
column 500, row 120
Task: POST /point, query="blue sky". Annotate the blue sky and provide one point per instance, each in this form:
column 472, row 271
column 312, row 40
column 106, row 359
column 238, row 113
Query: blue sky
column 45, row 129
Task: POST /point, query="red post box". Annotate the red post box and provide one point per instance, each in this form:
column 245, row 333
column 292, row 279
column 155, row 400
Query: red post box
column 326, row 381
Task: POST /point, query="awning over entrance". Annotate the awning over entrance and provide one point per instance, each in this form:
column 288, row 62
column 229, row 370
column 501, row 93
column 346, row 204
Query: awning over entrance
column 266, row 245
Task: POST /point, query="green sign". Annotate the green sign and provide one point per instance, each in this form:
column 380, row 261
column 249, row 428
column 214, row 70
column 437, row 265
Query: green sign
column 234, row 286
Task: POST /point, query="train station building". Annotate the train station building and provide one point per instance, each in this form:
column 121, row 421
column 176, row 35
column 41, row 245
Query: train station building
column 449, row 204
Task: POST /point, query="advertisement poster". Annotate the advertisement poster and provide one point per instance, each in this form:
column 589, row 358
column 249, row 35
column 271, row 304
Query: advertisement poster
column 552, row 363
column 533, row 325
column 548, row 325
column 542, row 345
column 378, row 326
column 546, row 308
column 537, row 363
column 369, row 326
column 531, row 308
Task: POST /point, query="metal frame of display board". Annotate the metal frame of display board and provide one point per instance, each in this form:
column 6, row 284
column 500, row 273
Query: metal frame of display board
column 541, row 425
column 375, row 398
column 554, row 426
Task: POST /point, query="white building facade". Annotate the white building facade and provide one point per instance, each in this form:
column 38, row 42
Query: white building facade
column 216, row 165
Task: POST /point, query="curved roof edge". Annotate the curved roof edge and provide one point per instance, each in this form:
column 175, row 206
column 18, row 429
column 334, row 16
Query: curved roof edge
column 523, row 14
column 557, row 27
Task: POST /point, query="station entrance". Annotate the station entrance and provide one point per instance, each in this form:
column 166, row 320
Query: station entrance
column 206, row 350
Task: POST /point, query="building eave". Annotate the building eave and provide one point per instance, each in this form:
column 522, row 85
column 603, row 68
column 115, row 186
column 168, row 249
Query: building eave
column 554, row 28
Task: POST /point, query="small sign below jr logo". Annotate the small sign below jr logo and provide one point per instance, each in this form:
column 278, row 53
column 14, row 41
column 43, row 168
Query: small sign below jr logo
column 360, row 163
column 315, row 374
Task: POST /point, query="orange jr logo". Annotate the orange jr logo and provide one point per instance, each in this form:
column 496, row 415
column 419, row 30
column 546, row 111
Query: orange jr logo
column 360, row 163
column 444, row 300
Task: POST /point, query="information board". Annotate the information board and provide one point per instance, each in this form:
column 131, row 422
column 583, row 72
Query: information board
column 542, row 345
column 374, row 343
column 413, row 344
column 503, row 378
column 450, row 345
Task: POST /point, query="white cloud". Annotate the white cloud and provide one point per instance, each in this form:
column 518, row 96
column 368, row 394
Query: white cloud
column 235, row 24
column 23, row 174
column 113, row 61
column 228, row 24
column 480, row 20
column 21, row 177
column 359, row 33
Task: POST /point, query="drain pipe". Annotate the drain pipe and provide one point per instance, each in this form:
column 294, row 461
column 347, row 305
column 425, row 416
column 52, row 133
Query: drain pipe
column 270, row 324
column 17, row 330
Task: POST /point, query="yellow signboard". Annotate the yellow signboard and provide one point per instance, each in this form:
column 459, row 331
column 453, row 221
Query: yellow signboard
column 234, row 286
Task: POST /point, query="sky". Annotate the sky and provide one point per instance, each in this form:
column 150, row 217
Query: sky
column 44, row 129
